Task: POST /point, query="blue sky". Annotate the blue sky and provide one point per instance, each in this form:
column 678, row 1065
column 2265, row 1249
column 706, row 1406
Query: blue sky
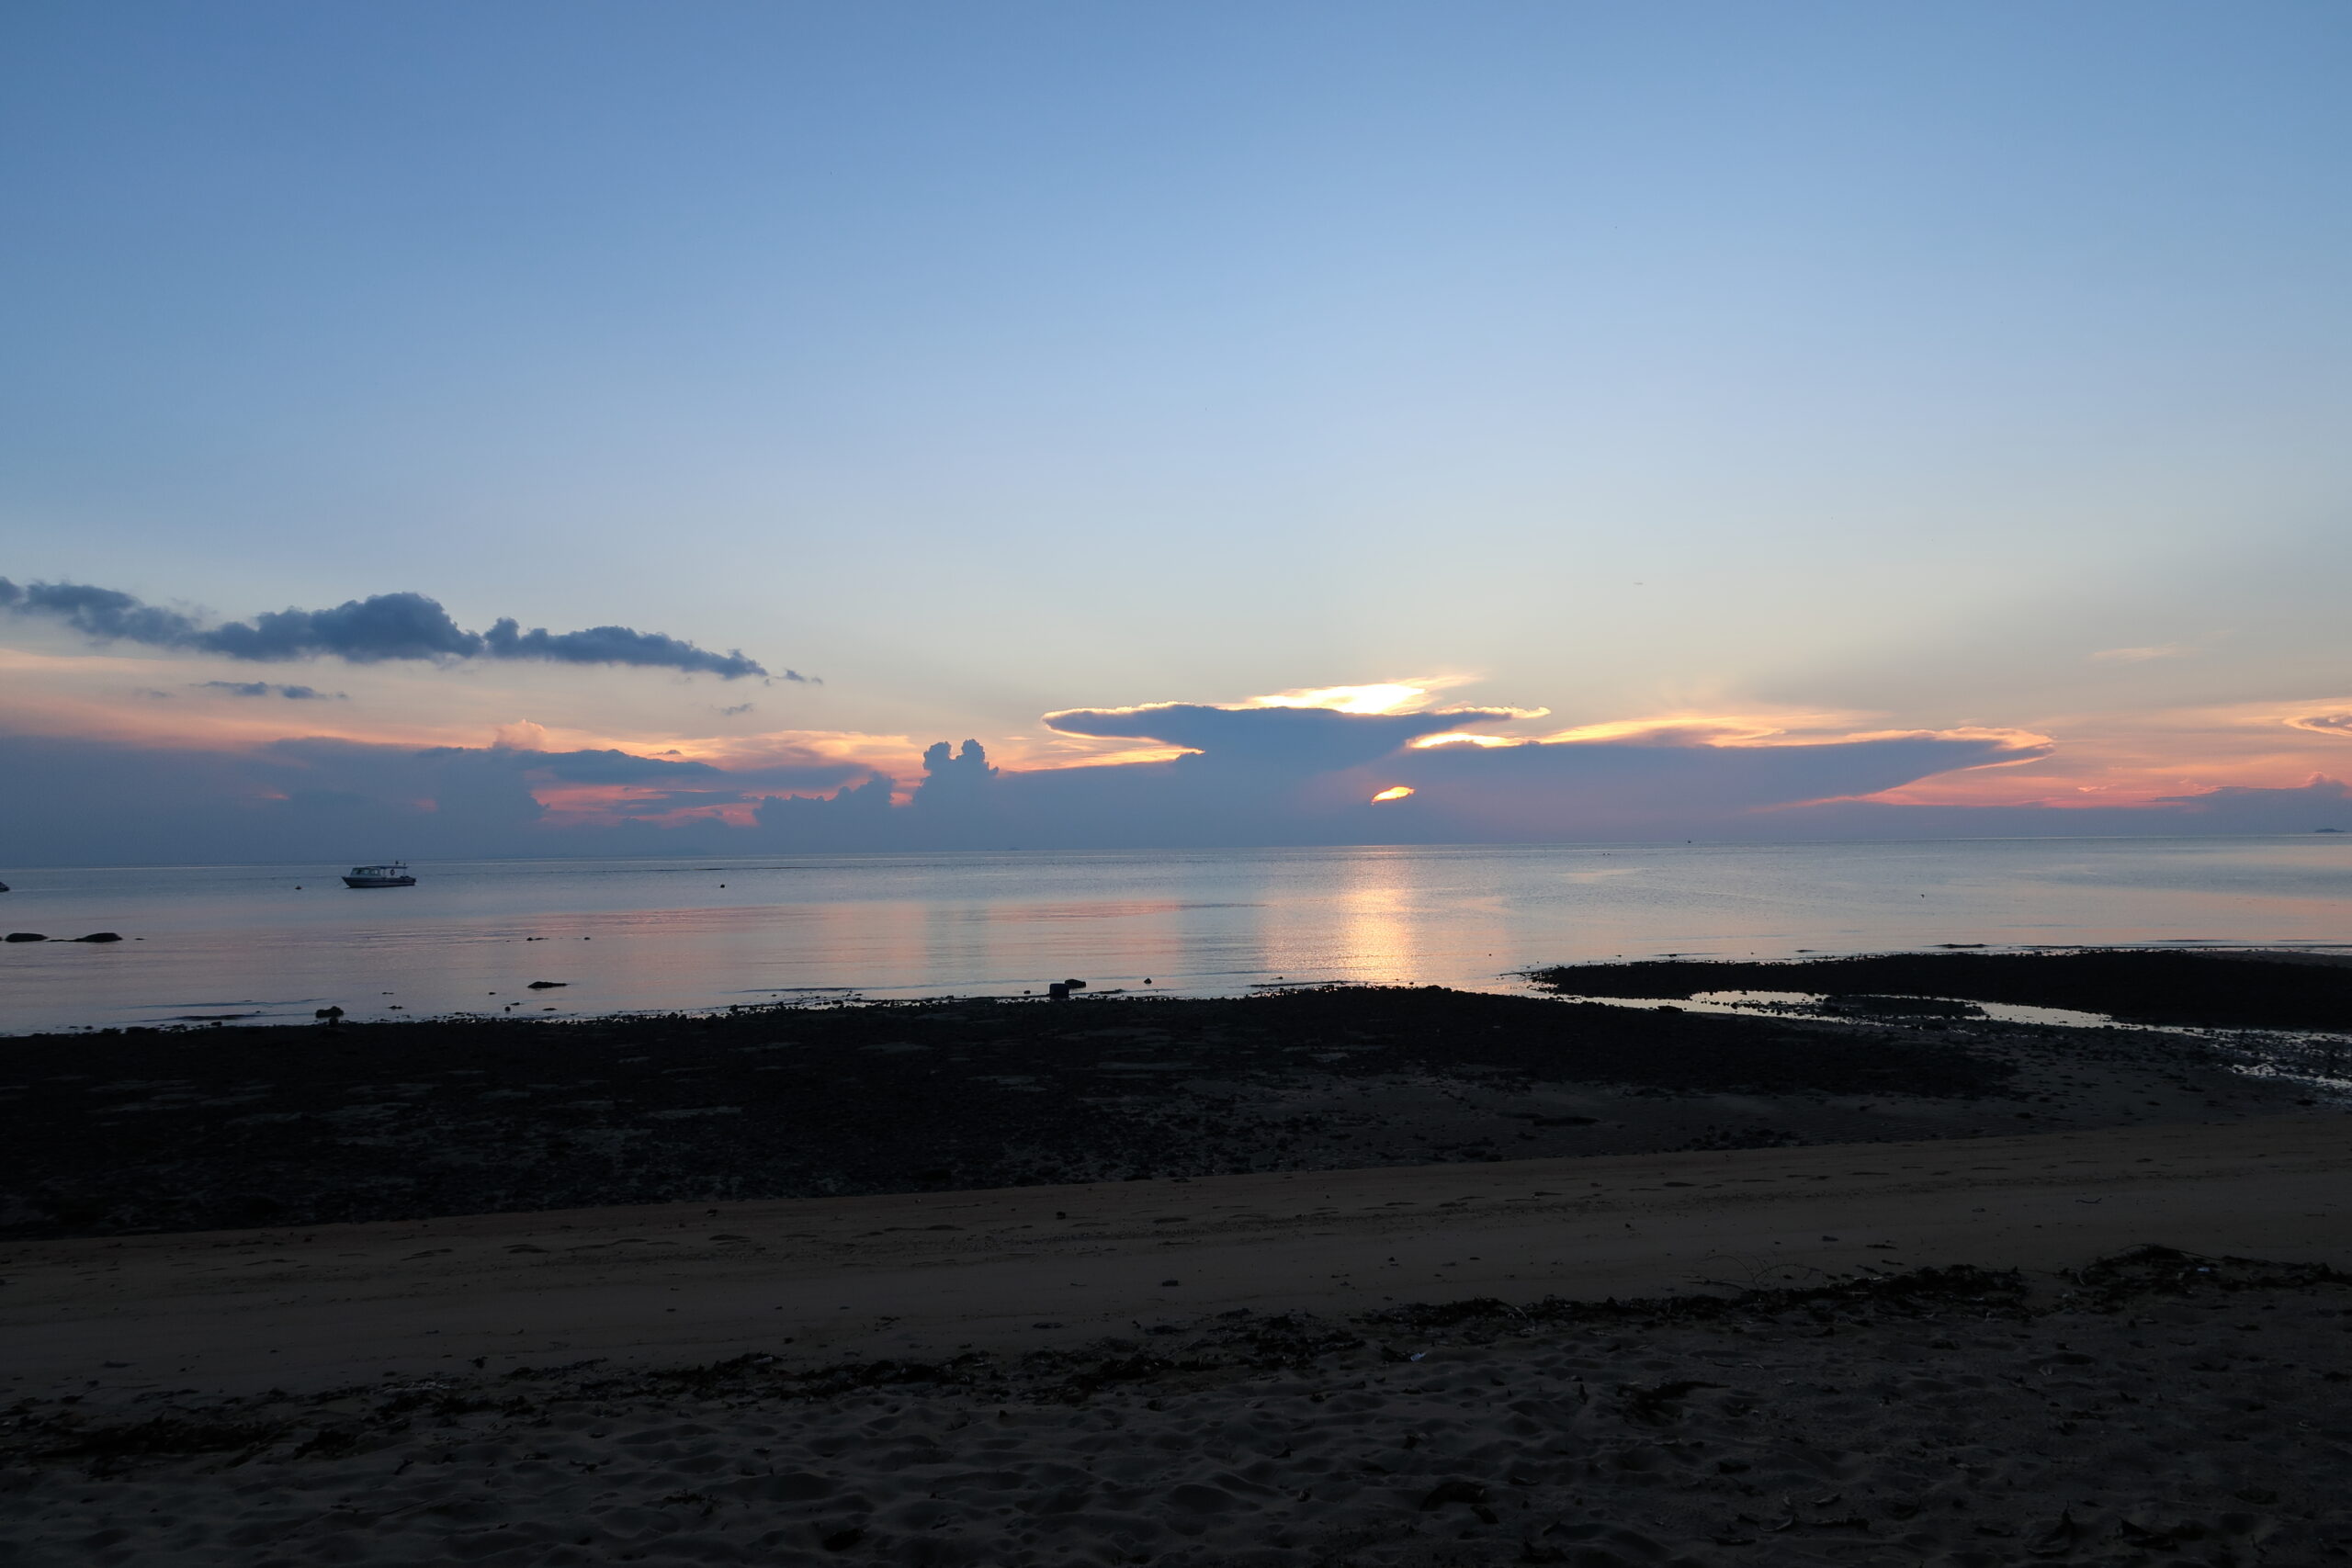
column 1851, row 366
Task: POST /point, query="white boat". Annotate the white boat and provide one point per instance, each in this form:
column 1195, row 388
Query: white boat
column 393, row 876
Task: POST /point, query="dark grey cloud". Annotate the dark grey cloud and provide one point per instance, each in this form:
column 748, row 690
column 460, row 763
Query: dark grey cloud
column 572, row 767
column 382, row 626
column 604, row 767
column 618, row 645
column 1308, row 776
column 266, row 689
column 363, row 631
column 671, row 800
column 100, row 612
column 1555, row 789
column 2318, row 803
column 736, row 710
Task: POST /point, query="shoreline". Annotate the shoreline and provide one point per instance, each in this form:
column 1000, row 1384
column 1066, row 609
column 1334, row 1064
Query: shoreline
column 120, row 1133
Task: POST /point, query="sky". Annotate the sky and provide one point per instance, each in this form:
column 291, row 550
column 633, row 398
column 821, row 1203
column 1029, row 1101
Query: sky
column 563, row 428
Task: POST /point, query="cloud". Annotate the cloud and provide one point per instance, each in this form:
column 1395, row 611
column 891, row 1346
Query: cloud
column 2320, row 802
column 265, row 689
column 1295, row 738
column 2324, row 723
column 1249, row 776
column 595, row 767
column 362, row 631
column 616, row 645
column 2140, row 655
column 735, row 710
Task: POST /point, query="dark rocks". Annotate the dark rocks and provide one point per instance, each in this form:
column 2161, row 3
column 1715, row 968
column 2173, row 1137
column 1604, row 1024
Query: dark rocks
column 2221, row 990
column 808, row 1101
column 100, row 936
column 548, row 985
column 25, row 936
column 1465, row 1492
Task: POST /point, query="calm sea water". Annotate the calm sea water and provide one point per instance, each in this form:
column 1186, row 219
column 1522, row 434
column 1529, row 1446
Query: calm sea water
column 263, row 944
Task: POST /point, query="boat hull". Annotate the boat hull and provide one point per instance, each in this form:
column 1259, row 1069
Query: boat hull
column 379, row 881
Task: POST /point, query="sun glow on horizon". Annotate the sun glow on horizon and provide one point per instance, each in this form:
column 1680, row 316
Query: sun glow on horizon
column 1394, row 792
column 1386, row 696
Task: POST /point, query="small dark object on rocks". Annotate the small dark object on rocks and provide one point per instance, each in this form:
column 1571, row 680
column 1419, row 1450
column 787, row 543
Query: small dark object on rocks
column 330, row 1016
column 100, row 936
column 1165, row 1283
column 1060, row 989
column 549, row 985
column 27, row 936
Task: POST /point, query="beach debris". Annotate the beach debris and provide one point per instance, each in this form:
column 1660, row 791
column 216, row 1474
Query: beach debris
column 549, row 985
column 25, row 936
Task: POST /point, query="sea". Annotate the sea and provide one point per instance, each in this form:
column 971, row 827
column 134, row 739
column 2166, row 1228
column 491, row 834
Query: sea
column 246, row 944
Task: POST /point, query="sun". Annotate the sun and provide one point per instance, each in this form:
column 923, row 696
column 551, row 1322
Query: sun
column 1394, row 792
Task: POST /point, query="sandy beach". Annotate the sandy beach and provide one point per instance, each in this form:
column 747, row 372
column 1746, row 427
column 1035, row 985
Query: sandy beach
column 1826, row 1354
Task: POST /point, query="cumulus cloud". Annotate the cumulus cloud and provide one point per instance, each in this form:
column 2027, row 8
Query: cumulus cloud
column 380, row 628
column 266, row 689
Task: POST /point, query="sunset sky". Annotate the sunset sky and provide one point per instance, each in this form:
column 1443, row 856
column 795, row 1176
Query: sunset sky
column 1796, row 419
